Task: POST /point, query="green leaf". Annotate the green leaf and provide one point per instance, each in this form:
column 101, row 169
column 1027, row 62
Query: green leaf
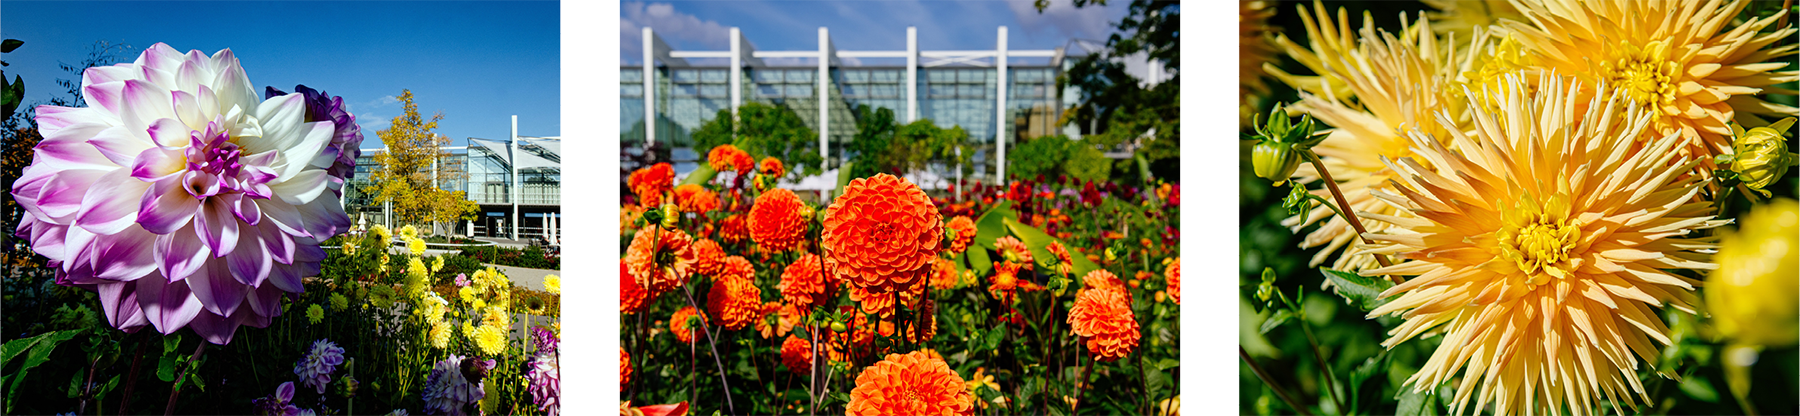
column 1157, row 380
column 170, row 343
column 1416, row 404
column 843, row 178
column 1700, row 389
column 700, row 175
column 36, row 351
column 1039, row 242
column 1362, row 374
column 979, row 260
column 992, row 225
column 165, row 369
column 195, row 380
column 10, row 44
column 1362, row 291
column 1280, row 317
column 1167, row 363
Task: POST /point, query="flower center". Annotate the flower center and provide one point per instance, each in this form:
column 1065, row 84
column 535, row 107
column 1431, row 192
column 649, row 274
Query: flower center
column 217, row 165
column 1539, row 238
column 882, row 234
column 1645, row 75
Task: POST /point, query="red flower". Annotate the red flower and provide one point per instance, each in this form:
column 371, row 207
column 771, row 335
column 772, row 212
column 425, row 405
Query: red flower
column 882, row 232
column 777, row 222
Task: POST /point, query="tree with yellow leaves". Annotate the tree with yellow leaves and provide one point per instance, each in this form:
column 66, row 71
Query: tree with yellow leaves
column 414, row 171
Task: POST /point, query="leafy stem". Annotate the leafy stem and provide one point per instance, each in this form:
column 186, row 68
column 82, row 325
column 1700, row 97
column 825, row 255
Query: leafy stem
column 1361, row 233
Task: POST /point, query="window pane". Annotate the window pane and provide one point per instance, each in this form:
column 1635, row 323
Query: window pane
column 714, row 90
column 800, row 75
column 941, row 76
column 885, row 76
column 970, row 75
column 631, row 90
column 799, row 90
column 686, row 75
column 686, row 90
column 856, row 76
column 971, row 91
column 884, row 91
column 766, row 90
column 713, row 76
column 771, row 76
column 943, row 91
column 631, row 75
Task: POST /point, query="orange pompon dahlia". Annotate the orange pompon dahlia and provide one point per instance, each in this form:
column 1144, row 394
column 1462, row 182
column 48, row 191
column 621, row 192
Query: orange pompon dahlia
column 734, row 300
column 696, row 199
column 728, row 158
column 1173, row 273
column 736, row 267
column 1104, row 318
column 910, row 384
column 943, row 274
column 1102, row 280
column 624, row 369
column 771, row 167
column 882, row 232
column 709, row 258
column 650, row 183
column 882, row 303
column 732, row 229
column 965, row 233
column 678, row 324
column 661, row 264
column 804, row 285
column 1014, row 251
column 797, row 353
column 777, row 220
column 632, row 296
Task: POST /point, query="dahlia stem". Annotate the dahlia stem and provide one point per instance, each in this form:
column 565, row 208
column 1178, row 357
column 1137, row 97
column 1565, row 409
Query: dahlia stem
column 713, row 345
column 1331, row 384
column 192, row 361
column 132, row 376
column 1270, row 381
column 1349, row 214
column 1087, row 374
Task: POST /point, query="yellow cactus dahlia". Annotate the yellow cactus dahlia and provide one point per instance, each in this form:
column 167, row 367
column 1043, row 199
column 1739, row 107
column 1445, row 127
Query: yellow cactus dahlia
column 1253, row 50
column 1693, row 63
column 1543, row 250
column 1461, row 16
column 1402, row 82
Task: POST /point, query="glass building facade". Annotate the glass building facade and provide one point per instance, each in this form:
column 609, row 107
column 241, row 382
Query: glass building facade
column 998, row 102
column 484, row 171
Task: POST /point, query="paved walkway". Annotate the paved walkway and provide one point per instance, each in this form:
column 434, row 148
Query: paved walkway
column 529, row 278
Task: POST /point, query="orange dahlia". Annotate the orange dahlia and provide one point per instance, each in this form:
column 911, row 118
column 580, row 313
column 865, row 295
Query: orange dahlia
column 882, row 232
column 735, row 299
column 678, row 324
column 943, row 274
column 732, row 229
column 776, row 220
column 804, row 285
column 728, row 158
column 1173, row 273
column 1005, row 281
column 1102, row 280
column 910, row 384
column 882, row 303
column 632, row 297
column 660, row 264
column 1013, row 250
column 709, row 258
column 785, row 317
column 696, row 199
column 650, row 183
column 1103, row 316
column 1064, row 264
column 965, row 233
column 628, row 216
column 796, row 353
column 771, row 167
column 624, row 369
column 736, row 267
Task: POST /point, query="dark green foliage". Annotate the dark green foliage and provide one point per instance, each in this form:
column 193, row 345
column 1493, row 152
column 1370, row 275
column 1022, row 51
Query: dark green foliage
column 763, row 130
column 881, row 145
column 1052, row 156
column 529, row 257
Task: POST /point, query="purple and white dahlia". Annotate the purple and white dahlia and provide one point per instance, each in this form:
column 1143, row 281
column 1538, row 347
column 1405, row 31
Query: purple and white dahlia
column 179, row 197
column 544, row 377
column 455, row 385
column 316, row 367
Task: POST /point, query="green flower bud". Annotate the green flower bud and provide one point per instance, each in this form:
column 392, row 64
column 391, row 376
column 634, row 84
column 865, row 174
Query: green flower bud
column 1274, row 161
column 838, row 327
column 1761, row 154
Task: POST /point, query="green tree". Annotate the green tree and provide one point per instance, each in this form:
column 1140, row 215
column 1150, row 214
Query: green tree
column 881, row 145
column 764, row 130
column 415, row 169
column 1148, row 120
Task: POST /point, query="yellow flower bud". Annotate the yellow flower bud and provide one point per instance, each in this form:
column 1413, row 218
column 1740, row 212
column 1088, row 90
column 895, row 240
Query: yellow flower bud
column 1761, row 154
column 669, row 214
column 1752, row 296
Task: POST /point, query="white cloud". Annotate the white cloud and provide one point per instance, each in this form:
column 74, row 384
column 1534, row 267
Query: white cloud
column 685, row 30
column 1063, row 20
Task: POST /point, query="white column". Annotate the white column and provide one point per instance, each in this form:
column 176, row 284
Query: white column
column 912, row 74
column 1000, row 110
column 649, row 88
column 824, row 97
column 737, row 73
column 512, row 154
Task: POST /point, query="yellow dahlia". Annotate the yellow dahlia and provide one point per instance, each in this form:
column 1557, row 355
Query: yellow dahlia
column 1401, row 81
column 1752, row 296
column 1542, row 251
column 1459, row 17
column 440, row 334
column 1254, row 49
column 1693, row 63
column 490, row 339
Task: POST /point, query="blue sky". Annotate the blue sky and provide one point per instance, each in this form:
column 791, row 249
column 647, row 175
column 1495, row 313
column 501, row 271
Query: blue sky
column 861, row 25
column 476, row 62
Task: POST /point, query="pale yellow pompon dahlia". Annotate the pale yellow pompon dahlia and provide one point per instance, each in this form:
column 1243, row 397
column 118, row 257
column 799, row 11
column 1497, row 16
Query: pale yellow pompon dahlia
column 1401, row 82
column 1543, row 250
column 1254, row 48
column 1689, row 61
